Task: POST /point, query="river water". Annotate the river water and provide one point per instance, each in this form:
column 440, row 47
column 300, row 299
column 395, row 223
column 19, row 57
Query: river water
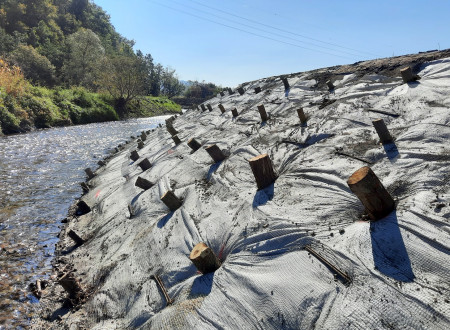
column 40, row 174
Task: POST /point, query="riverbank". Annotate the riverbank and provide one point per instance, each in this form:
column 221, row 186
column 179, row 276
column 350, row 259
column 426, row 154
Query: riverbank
column 282, row 247
column 34, row 107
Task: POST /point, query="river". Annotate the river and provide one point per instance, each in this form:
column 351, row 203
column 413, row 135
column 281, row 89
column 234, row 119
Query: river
column 40, row 174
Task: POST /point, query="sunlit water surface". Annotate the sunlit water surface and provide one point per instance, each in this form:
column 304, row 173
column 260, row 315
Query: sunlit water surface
column 40, row 174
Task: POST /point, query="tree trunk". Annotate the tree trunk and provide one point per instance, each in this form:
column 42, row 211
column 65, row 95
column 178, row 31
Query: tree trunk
column 176, row 139
column 145, row 164
column 204, row 258
column 222, row 108
column 143, row 183
column 171, row 201
column 134, row 155
column 285, row 83
column 89, row 173
column 263, row 171
column 257, row 90
column 241, row 91
column 143, row 136
column 203, row 107
column 194, row 144
column 171, row 130
column 216, row 154
column 140, row 145
column 234, row 112
column 383, row 133
column 407, row 74
column 75, row 237
column 368, row 188
column 209, row 107
column 301, row 115
column 262, row 112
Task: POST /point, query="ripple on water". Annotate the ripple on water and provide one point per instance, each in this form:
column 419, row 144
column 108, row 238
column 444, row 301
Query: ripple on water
column 39, row 176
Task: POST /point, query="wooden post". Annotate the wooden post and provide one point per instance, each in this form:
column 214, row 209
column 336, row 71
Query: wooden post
column 230, row 91
column 383, row 132
column 222, row 94
column 285, row 83
column 368, row 188
column 241, row 91
column 330, row 85
column 204, row 258
column 131, row 210
column 140, row 145
column 194, row 144
column 75, row 237
column 222, row 108
column 72, row 286
column 84, row 186
column 234, row 112
column 301, row 115
column 145, row 164
column 203, row 107
column 209, row 107
column 171, row 200
column 143, row 136
column 262, row 112
column 176, row 139
column 257, row 90
column 134, row 155
column 263, row 171
column 216, row 154
column 89, row 173
column 171, row 130
column 83, row 208
column 143, row 183
column 101, row 163
column 407, row 75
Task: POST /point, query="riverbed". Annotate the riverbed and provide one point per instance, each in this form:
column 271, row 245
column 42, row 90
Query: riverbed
column 40, row 174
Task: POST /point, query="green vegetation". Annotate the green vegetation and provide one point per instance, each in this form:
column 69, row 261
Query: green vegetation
column 62, row 63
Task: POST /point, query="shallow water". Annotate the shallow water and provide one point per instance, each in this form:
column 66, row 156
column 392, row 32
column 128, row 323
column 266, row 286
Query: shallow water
column 40, row 174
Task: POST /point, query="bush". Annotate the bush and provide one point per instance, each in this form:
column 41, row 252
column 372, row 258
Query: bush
column 8, row 122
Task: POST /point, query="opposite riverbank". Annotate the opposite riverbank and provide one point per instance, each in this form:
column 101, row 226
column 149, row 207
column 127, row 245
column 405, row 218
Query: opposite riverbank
column 299, row 253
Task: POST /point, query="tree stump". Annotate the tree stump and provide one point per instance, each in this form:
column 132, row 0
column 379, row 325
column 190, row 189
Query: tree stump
column 222, row 108
column 241, row 91
column 263, row 171
column 407, row 75
column 301, row 115
column 285, row 83
column 83, row 208
column 194, row 144
column 171, row 200
column 230, row 91
column 382, row 131
column 216, row 154
column 145, row 164
column 257, row 90
column 204, row 258
column 234, row 112
column 134, row 155
column 330, row 85
column 203, row 107
column 143, row 136
column 85, row 187
column 101, row 163
column 89, row 173
column 368, row 188
column 140, row 145
column 143, row 183
column 176, row 139
column 72, row 286
column 171, row 130
column 209, row 107
column 262, row 112
column 222, row 94
column 75, row 237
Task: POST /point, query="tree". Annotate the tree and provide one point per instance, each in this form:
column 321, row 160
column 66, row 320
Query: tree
column 85, row 55
column 35, row 67
column 124, row 78
column 170, row 85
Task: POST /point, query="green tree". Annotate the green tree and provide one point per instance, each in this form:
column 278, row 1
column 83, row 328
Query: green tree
column 170, row 85
column 84, row 58
column 35, row 67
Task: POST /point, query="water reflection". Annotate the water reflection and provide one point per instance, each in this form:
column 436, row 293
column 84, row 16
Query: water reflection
column 39, row 179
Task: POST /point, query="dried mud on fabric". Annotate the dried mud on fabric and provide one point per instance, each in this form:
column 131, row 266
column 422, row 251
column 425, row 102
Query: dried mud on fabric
column 299, row 253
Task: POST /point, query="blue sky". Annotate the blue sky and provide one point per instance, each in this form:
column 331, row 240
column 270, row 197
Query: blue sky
column 230, row 42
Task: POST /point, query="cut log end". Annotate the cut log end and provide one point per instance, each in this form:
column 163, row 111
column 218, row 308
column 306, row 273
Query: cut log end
column 143, row 183
column 216, row 153
column 171, row 201
column 358, row 175
column 204, row 258
column 263, row 171
column 194, row 144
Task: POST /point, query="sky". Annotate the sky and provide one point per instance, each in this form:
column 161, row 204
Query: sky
column 235, row 41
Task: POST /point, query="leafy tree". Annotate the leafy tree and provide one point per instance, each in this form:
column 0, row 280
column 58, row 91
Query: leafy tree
column 85, row 54
column 35, row 67
column 170, row 85
column 124, row 78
